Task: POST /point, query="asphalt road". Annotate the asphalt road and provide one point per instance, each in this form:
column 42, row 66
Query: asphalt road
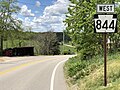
column 33, row 73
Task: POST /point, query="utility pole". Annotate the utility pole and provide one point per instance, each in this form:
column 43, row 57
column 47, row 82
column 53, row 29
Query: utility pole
column 63, row 41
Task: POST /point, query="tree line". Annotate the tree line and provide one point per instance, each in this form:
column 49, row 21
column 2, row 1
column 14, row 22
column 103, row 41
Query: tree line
column 46, row 43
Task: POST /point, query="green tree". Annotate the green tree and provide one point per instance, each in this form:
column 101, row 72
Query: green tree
column 80, row 28
column 48, row 43
column 7, row 22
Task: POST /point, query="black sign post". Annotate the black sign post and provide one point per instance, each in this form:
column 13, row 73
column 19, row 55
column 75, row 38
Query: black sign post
column 105, row 22
column 105, row 59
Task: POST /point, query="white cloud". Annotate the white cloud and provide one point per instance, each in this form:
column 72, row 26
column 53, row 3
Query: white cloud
column 26, row 12
column 27, row 22
column 52, row 18
column 38, row 3
column 59, row 8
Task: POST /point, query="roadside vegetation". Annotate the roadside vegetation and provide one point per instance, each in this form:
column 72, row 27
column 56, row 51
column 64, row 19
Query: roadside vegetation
column 88, row 74
column 85, row 71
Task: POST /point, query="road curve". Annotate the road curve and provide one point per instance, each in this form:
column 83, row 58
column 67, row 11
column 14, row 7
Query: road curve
column 33, row 73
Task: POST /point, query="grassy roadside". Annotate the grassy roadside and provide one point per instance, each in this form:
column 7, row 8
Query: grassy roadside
column 88, row 75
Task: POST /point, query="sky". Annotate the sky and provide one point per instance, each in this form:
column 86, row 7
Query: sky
column 43, row 15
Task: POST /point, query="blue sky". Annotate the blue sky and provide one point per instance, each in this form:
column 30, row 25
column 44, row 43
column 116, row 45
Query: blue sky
column 43, row 15
column 31, row 4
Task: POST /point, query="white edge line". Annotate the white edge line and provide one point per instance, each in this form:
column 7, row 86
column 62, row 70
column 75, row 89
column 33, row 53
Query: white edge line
column 53, row 75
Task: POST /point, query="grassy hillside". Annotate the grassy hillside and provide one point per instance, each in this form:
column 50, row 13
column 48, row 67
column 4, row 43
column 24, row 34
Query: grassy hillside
column 88, row 75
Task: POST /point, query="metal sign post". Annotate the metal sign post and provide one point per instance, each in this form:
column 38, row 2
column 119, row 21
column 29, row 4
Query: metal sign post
column 105, row 59
column 105, row 22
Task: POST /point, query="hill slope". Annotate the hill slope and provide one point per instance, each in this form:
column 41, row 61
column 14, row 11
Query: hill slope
column 88, row 75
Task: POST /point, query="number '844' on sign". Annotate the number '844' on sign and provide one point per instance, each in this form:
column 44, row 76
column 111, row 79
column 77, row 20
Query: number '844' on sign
column 105, row 23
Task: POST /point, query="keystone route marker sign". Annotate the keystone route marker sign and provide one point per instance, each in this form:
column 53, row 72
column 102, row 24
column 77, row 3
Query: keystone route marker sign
column 105, row 21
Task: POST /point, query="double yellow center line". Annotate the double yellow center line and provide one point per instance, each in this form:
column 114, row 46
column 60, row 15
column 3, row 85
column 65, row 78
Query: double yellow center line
column 22, row 66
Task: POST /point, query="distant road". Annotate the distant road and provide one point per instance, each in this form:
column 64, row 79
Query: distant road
column 69, row 45
column 33, row 73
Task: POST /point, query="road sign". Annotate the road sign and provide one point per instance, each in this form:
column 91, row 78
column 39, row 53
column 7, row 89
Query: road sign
column 105, row 8
column 105, row 23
